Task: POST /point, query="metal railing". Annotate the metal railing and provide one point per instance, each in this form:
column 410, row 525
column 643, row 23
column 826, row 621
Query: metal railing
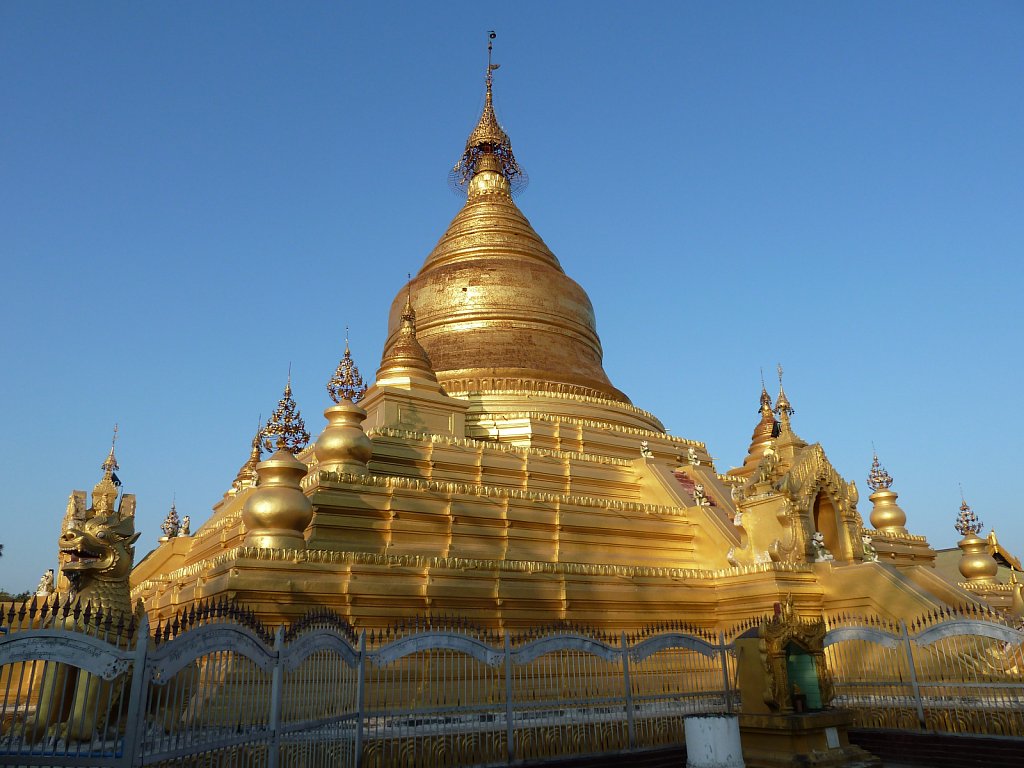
column 216, row 688
column 954, row 671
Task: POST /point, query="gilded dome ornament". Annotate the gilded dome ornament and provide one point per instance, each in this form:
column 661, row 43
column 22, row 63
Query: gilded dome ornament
column 347, row 382
column 286, row 424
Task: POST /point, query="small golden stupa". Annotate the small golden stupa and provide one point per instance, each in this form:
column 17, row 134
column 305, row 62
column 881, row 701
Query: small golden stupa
column 493, row 472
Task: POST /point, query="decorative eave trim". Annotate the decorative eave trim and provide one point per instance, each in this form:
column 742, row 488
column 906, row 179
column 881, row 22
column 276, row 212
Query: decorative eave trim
column 468, row 386
column 972, row 586
column 334, row 557
column 490, row 445
column 400, row 482
column 893, row 535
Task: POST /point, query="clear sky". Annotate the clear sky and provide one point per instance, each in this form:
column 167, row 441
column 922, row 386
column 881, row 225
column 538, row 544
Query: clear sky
column 194, row 195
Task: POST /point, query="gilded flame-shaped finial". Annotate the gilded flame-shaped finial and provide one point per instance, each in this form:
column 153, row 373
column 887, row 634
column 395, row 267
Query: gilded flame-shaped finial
column 347, row 382
column 782, row 405
column 967, row 522
column 286, row 424
column 878, row 478
column 488, row 138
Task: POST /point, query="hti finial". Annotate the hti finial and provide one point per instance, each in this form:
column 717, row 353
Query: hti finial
column 488, row 140
column 490, row 67
column 347, row 382
column 171, row 524
column 110, row 463
column 967, row 522
column 286, row 424
column 407, row 313
column 878, row 478
column 782, row 405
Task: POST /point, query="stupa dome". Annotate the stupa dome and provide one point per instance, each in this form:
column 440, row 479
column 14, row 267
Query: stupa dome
column 494, row 309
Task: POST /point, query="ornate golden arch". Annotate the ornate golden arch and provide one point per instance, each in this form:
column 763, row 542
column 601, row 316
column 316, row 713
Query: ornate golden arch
column 810, row 475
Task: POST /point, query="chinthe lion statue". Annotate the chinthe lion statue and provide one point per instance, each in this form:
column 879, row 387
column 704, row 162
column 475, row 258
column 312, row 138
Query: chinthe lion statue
column 96, row 555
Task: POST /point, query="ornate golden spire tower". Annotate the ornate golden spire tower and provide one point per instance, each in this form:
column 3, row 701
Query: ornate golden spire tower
column 247, row 477
column 782, row 406
column 494, row 309
column 404, row 358
column 767, row 429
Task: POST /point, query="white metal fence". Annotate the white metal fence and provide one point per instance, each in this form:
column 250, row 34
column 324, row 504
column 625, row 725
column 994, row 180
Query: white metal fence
column 215, row 688
column 218, row 690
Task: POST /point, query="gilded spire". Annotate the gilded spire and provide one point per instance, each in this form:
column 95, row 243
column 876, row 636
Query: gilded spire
column 967, row 522
column 347, row 382
column 488, row 139
column 406, row 353
column 878, row 478
column 110, row 465
column 104, row 493
column 247, row 477
column 782, row 406
column 766, row 400
column 286, row 422
column 767, row 429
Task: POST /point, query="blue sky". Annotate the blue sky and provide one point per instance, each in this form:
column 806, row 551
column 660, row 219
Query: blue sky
column 195, row 195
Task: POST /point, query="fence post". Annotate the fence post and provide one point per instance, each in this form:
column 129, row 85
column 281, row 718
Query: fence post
column 914, row 685
column 136, row 724
column 723, row 656
column 360, row 698
column 630, row 717
column 510, row 733
column 276, row 697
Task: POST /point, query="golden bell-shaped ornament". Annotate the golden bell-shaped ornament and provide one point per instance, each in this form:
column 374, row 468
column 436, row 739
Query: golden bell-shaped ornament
column 277, row 512
column 343, row 446
column 976, row 564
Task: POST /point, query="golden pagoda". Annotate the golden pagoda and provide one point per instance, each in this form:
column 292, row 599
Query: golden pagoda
column 493, row 472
